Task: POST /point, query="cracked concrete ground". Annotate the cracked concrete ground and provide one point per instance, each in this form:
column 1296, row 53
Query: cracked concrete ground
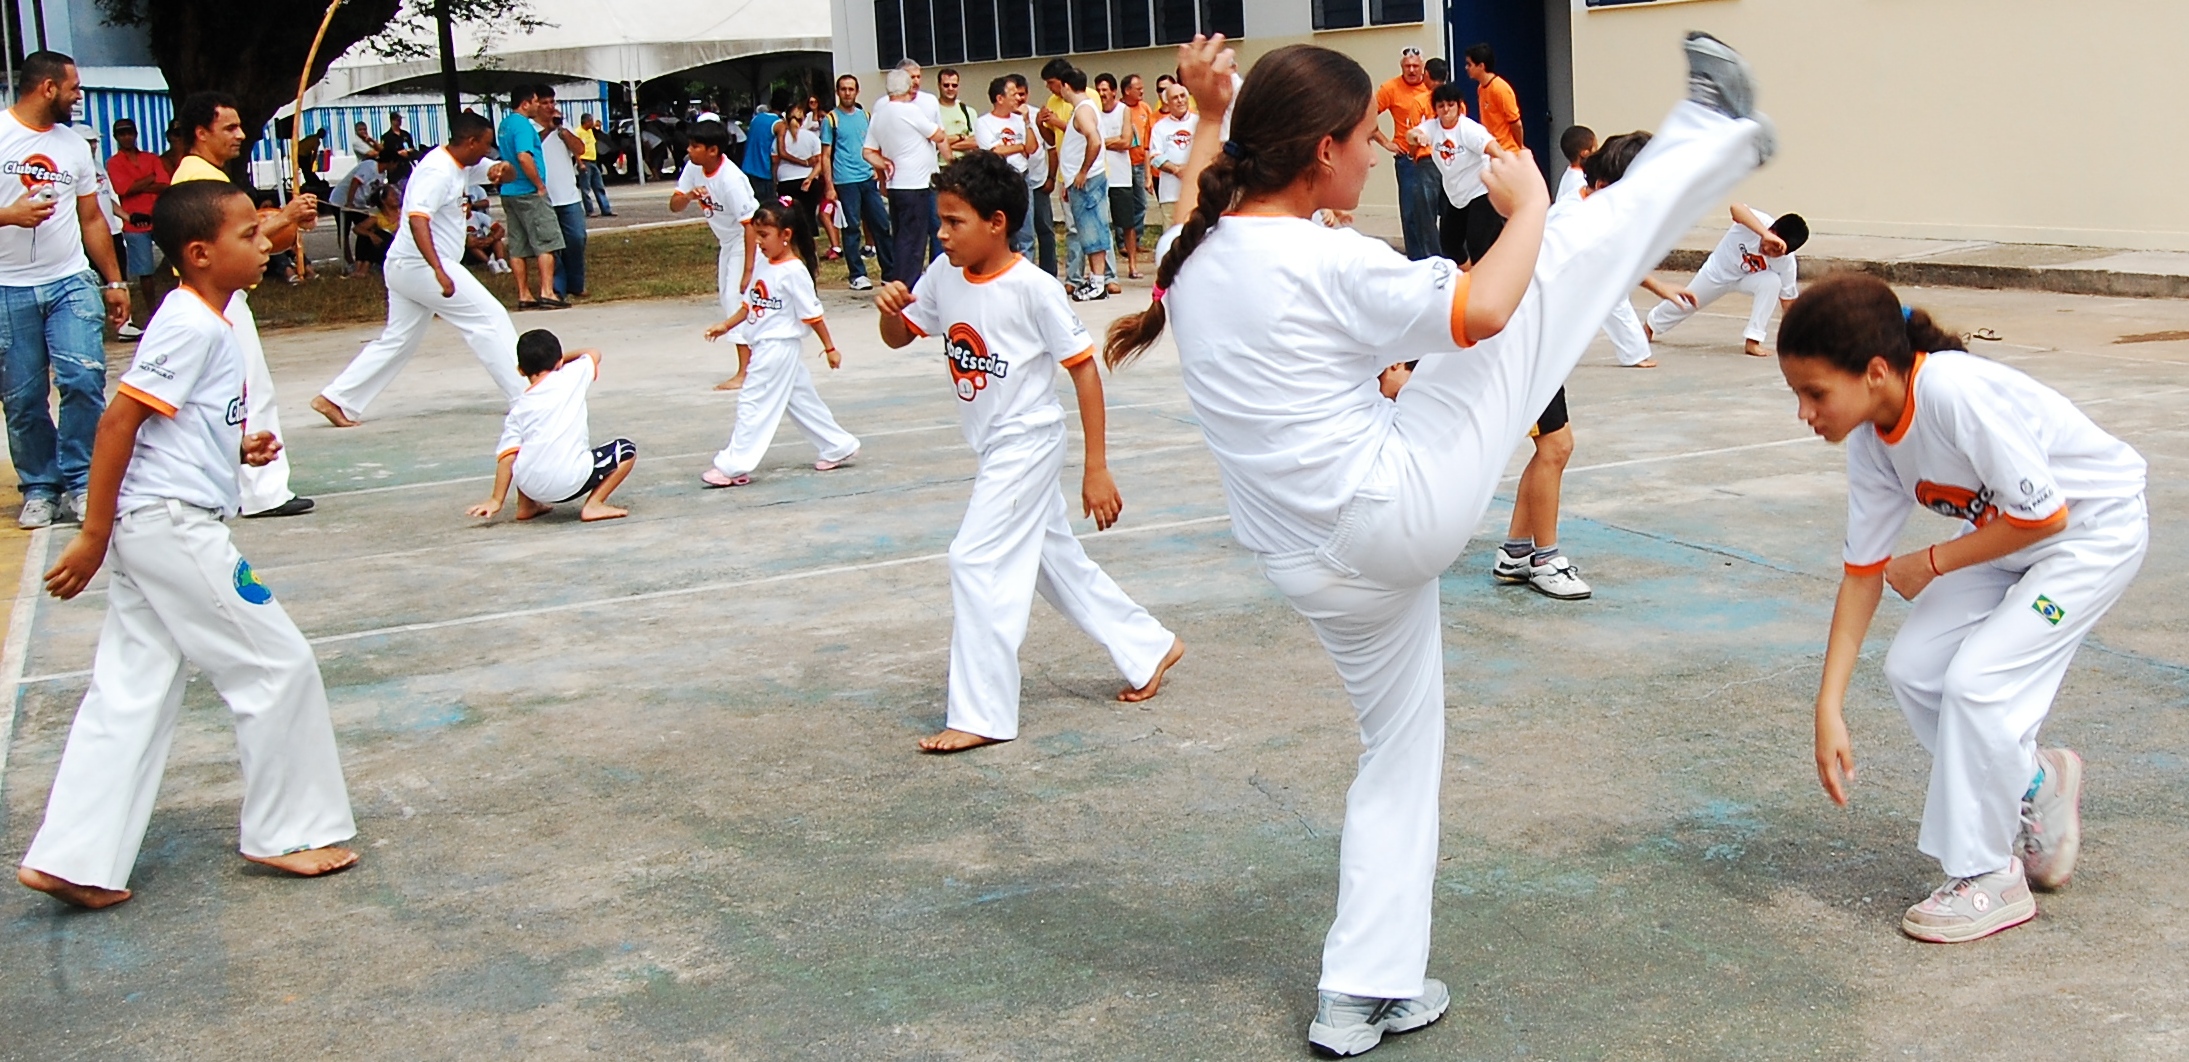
column 648, row 789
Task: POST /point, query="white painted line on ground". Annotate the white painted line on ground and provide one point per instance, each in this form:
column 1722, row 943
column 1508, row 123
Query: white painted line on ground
column 1681, row 456
column 17, row 648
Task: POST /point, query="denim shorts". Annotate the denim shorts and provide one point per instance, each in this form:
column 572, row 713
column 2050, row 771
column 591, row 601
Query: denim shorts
column 137, row 252
column 1091, row 215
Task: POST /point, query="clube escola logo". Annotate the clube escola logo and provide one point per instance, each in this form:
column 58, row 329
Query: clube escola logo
column 35, row 172
column 761, row 301
column 970, row 362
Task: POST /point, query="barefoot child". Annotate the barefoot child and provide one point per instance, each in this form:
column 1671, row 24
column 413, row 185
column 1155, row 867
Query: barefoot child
column 1756, row 256
column 1600, row 169
column 543, row 451
column 779, row 306
column 1005, row 327
column 1357, row 505
column 726, row 200
column 163, row 481
column 2052, row 528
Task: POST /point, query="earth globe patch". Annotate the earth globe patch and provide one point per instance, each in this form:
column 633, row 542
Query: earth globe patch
column 247, row 585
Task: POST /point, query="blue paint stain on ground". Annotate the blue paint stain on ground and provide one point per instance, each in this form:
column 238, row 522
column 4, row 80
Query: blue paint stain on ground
column 414, row 716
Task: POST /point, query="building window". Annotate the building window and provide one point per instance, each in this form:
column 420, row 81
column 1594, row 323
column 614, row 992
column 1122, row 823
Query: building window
column 1090, row 25
column 1347, row 14
column 951, row 31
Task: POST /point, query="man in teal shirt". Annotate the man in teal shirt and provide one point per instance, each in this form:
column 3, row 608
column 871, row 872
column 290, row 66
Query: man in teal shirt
column 851, row 182
column 533, row 231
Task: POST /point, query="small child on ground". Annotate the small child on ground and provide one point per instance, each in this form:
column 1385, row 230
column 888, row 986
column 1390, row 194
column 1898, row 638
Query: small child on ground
column 163, row 485
column 726, row 200
column 779, row 306
column 1005, row 327
column 1756, row 256
column 543, row 451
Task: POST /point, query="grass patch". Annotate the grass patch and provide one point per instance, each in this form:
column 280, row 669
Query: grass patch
column 666, row 263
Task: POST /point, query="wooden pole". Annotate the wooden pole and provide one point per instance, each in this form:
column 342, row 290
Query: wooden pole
column 304, row 82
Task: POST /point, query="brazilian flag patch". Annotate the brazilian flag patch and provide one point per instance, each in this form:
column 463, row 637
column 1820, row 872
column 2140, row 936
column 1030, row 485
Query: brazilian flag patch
column 2049, row 609
column 250, row 589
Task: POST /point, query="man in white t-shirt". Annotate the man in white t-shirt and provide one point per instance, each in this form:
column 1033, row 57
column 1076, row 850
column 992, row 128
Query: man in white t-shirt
column 560, row 149
column 426, row 279
column 1756, row 256
column 1169, row 145
column 50, row 222
column 901, row 143
column 1114, row 124
column 1008, row 130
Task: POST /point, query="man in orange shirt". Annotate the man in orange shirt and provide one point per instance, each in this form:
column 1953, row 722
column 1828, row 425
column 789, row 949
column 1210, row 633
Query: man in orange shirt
column 1500, row 109
column 1406, row 99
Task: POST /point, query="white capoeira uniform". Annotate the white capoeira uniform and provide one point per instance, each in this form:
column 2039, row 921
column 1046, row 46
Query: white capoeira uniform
column 266, row 486
column 1357, row 504
column 179, row 593
column 1982, row 652
column 726, row 200
column 1624, row 327
column 779, row 306
column 1736, row 264
column 436, row 192
column 1003, row 336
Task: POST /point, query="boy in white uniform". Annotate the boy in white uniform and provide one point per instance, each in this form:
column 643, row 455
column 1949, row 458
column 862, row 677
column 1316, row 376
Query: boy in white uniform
column 163, row 481
column 1756, row 256
column 726, row 200
column 543, row 451
column 780, row 304
column 426, row 279
column 1005, row 328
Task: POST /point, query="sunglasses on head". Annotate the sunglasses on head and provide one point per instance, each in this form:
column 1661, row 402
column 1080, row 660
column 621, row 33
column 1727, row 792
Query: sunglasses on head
column 1409, row 52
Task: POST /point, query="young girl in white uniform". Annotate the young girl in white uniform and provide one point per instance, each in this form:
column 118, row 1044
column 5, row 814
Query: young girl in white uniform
column 2052, row 530
column 1005, row 327
column 1356, row 504
column 780, row 305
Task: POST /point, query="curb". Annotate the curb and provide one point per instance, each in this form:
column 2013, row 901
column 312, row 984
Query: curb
column 1977, row 275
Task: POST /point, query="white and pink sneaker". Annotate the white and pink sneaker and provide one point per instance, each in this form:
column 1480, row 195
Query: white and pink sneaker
column 1965, row 909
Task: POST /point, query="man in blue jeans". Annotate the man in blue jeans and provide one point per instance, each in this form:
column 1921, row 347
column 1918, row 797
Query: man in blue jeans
column 51, row 307
column 559, row 152
column 759, row 164
column 850, row 180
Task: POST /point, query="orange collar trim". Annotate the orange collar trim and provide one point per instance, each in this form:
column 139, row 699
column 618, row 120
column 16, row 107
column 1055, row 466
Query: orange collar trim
column 785, row 258
column 207, row 303
column 1907, row 413
column 983, row 278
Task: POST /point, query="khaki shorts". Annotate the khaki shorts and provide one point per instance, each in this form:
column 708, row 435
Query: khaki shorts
column 533, row 230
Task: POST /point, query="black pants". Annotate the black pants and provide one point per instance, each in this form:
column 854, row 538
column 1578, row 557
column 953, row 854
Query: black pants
column 1484, row 224
column 1452, row 232
column 911, row 224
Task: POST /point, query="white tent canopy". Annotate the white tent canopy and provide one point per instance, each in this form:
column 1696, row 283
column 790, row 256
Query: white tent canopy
column 622, row 41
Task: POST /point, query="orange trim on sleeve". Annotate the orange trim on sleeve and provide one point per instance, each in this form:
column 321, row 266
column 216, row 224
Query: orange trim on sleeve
column 1907, row 413
column 1078, row 358
column 1459, row 312
column 1868, row 569
column 816, row 319
column 507, row 452
column 2055, row 522
column 154, row 402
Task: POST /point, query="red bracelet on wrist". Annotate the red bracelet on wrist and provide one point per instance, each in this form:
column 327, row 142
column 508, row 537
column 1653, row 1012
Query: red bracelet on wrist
column 1931, row 554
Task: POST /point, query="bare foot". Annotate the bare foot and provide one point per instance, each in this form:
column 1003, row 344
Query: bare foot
column 332, row 412
column 1155, row 684
column 600, row 511
column 311, row 862
column 955, row 741
column 1754, row 350
column 527, row 508
column 734, row 383
column 1645, row 363
column 87, row 896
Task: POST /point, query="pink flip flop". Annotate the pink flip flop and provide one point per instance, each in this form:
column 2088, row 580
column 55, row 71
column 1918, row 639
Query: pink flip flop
column 713, row 477
column 830, row 466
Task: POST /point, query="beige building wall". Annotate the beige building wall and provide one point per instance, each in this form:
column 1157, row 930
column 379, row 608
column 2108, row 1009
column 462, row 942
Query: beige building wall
column 2030, row 121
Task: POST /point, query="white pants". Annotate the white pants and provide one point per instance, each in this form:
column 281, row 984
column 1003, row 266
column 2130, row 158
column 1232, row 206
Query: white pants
column 1016, row 540
column 176, row 593
column 1977, row 662
column 777, row 383
column 729, row 274
column 265, row 486
column 1710, row 287
column 1370, row 592
column 1624, row 329
column 414, row 299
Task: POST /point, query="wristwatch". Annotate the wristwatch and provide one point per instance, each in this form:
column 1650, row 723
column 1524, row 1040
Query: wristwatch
column 117, row 285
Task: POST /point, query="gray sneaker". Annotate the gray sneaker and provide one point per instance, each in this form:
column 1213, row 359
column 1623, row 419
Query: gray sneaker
column 37, row 512
column 1964, row 909
column 1720, row 79
column 72, row 507
column 2052, row 821
column 1351, row 1025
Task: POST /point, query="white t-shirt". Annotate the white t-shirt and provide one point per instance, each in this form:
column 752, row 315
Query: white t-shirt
column 805, row 142
column 1172, row 141
column 57, row 165
column 1459, row 155
column 110, row 205
column 725, row 199
column 1570, row 185
column 929, row 105
column 1071, row 149
column 558, row 167
column 1003, row 337
column 1116, row 165
column 546, row 427
column 900, row 131
column 189, row 368
column 437, row 191
column 991, row 132
column 1286, row 394
column 780, row 302
column 479, row 221
column 354, row 190
column 1740, row 255
column 1980, row 441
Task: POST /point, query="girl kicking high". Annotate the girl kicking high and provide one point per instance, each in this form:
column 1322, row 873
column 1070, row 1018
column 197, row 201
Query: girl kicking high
column 2052, row 528
column 1357, row 504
